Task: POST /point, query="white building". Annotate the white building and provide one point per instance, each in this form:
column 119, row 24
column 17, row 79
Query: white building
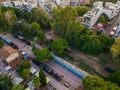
column 117, row 34
column 91, row 17
column 48, row 5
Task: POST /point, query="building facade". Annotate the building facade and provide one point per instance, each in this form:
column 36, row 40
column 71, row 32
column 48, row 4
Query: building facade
column 91, row 17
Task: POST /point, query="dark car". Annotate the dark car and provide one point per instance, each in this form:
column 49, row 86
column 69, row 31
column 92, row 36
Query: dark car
column 109, row 69
column 26, row 41
column 48, row 70
column 23, row 39
column 13, row 45
column 57, row 77
column 38, row 63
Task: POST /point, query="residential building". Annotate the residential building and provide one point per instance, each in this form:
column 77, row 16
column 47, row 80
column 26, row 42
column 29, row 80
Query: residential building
column 79, row 2
column 117, row 34
column 10, row 56
column 91, row 17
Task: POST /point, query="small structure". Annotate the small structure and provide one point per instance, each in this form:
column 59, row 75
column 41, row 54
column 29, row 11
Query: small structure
column 7, row 68
column 17, row 80
column 30, row 85
column 10, row 56
column 33, row 70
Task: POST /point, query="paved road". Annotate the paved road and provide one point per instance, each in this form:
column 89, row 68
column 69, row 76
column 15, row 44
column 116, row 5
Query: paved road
column 71, row 78
column 113, row 24
column 68, row 76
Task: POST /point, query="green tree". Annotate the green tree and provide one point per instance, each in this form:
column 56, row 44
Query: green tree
column 3, row 22
column 1, row 43
column 61, row 18
column 5, row 82
column 23, row 65
column 42, row 77
column 25, row 73
column 19, row 28
column 36, row 82
column 40, row 37
column 18, row 87
column 34, row 28
column 59, row 46
column 115, row 77
column 103, row 18
column 76, row 34
column 10, row 16
column 97, row 83
column 92, row 45
column 115, row 49
column 106, row 41
column 41, row 17
column 81, row 10
column 93, row 83
column 43, row 55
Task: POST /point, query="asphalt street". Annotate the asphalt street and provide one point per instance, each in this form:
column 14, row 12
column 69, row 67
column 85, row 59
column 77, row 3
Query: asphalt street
column 69, row 77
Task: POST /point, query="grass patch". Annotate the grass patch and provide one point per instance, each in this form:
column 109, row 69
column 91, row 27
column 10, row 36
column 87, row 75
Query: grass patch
column 69, row 58
column 85, row 67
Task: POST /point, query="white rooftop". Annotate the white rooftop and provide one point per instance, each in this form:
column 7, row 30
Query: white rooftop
column 17, row 80
column 7, row 68
column 33, row 70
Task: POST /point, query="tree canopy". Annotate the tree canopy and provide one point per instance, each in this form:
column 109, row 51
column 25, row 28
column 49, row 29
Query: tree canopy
column 97, row 83
column 59, row 46
column 61, row 17
column 40, row 16
column 23, row 69
column 18, row 87
column 103, row 18
column 81, row 10
column 5, row 82
column 115, row 77
column 36, row 82
column 43, row 55
column 115, row 49
column 42, row 77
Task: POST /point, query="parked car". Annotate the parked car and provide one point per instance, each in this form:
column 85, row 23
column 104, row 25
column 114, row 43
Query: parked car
column 13, row 45
column 50, row 87
column 111, row 33
column 45, row 67
column 38, row 63
column 48, row 70
column 109, row 69
column 57, row 77
column 23, row 39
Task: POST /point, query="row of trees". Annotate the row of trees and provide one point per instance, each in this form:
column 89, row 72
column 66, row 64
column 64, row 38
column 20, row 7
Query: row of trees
column 29, row 31
column 78, row 35
column 98, row 83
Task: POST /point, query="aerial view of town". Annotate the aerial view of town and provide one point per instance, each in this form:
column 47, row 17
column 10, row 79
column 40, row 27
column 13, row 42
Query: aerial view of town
column 59, row 44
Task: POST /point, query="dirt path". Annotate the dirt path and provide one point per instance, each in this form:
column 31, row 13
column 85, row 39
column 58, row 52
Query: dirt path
column 89, row 60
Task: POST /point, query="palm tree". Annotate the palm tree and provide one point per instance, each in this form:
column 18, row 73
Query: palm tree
column 36, row 83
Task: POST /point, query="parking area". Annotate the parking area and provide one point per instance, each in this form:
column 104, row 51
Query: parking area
column 28, row 49
column 22, row 46
column 69, row 80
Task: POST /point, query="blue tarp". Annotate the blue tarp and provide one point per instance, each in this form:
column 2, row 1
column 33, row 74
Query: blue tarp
column 70, row 68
